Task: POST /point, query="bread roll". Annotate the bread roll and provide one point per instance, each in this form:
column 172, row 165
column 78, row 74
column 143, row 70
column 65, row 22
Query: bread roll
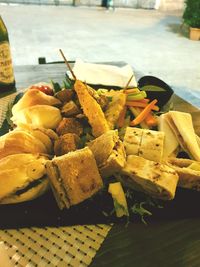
column 34, row 97
column 46, row 136
column 38, row 116
column 22, row 177
column 19, row 141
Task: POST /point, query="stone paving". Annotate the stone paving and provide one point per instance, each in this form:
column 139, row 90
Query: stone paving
column 152, row 41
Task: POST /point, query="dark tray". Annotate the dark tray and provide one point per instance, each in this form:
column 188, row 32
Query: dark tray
column 44, row 211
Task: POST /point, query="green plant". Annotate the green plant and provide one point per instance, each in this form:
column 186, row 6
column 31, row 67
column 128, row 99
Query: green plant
column 191, row 15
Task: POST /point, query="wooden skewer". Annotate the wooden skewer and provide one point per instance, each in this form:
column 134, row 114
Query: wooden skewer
column 67, row 63
column 128, row 83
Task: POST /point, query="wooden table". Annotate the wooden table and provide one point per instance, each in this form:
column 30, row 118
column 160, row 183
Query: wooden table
column 171, row 242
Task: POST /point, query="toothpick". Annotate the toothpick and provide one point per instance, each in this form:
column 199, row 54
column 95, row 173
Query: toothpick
column 67, row 63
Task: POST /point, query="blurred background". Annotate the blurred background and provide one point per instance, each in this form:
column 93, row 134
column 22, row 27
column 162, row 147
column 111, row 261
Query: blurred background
column 148, row 34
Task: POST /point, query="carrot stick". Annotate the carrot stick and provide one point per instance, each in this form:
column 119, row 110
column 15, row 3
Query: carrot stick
column 136, row 111
column 144, row 113
column 145, row 100
column 140, row 104
column 132, row 91
column 121, row 119
column 151, row 120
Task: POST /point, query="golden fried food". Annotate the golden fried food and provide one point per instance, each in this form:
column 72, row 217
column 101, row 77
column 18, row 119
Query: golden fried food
column 91, row 109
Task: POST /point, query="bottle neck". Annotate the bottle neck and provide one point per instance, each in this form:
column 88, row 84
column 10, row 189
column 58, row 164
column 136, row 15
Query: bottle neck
column 3, row 28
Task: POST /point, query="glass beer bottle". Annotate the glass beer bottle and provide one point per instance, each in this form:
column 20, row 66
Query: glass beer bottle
column 7, row 80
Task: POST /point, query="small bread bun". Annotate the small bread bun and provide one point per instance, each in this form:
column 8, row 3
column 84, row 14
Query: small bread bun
column 34, row 97
column 46, row 136
column 43, row 116
column 31, row 194
column 19, row 141
column 22, row 177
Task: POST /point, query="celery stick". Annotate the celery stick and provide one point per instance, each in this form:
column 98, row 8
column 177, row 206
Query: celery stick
column 135, row 97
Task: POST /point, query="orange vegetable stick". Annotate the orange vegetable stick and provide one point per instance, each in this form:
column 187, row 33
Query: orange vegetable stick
column 144, row 113
column 136, row 111
column 141, row 104
column 145, row 100
column 121, row 119
column 132, row 91
column 151, row 120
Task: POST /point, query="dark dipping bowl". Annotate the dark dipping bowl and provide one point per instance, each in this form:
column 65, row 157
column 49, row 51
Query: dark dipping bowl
column 150, row 84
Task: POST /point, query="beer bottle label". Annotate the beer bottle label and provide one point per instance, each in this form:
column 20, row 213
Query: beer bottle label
column 6, row 69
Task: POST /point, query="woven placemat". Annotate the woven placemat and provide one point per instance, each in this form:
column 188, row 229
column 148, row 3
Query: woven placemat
column 50, row 246
column 62, row 246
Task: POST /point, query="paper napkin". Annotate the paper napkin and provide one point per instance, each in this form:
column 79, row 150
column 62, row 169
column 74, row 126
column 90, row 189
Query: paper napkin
column 102, row 74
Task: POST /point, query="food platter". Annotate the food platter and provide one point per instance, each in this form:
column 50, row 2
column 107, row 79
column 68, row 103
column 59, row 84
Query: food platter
column 44, row 211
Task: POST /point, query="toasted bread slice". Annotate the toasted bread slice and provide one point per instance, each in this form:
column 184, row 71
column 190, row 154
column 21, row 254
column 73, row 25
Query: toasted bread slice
column 74, row 177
